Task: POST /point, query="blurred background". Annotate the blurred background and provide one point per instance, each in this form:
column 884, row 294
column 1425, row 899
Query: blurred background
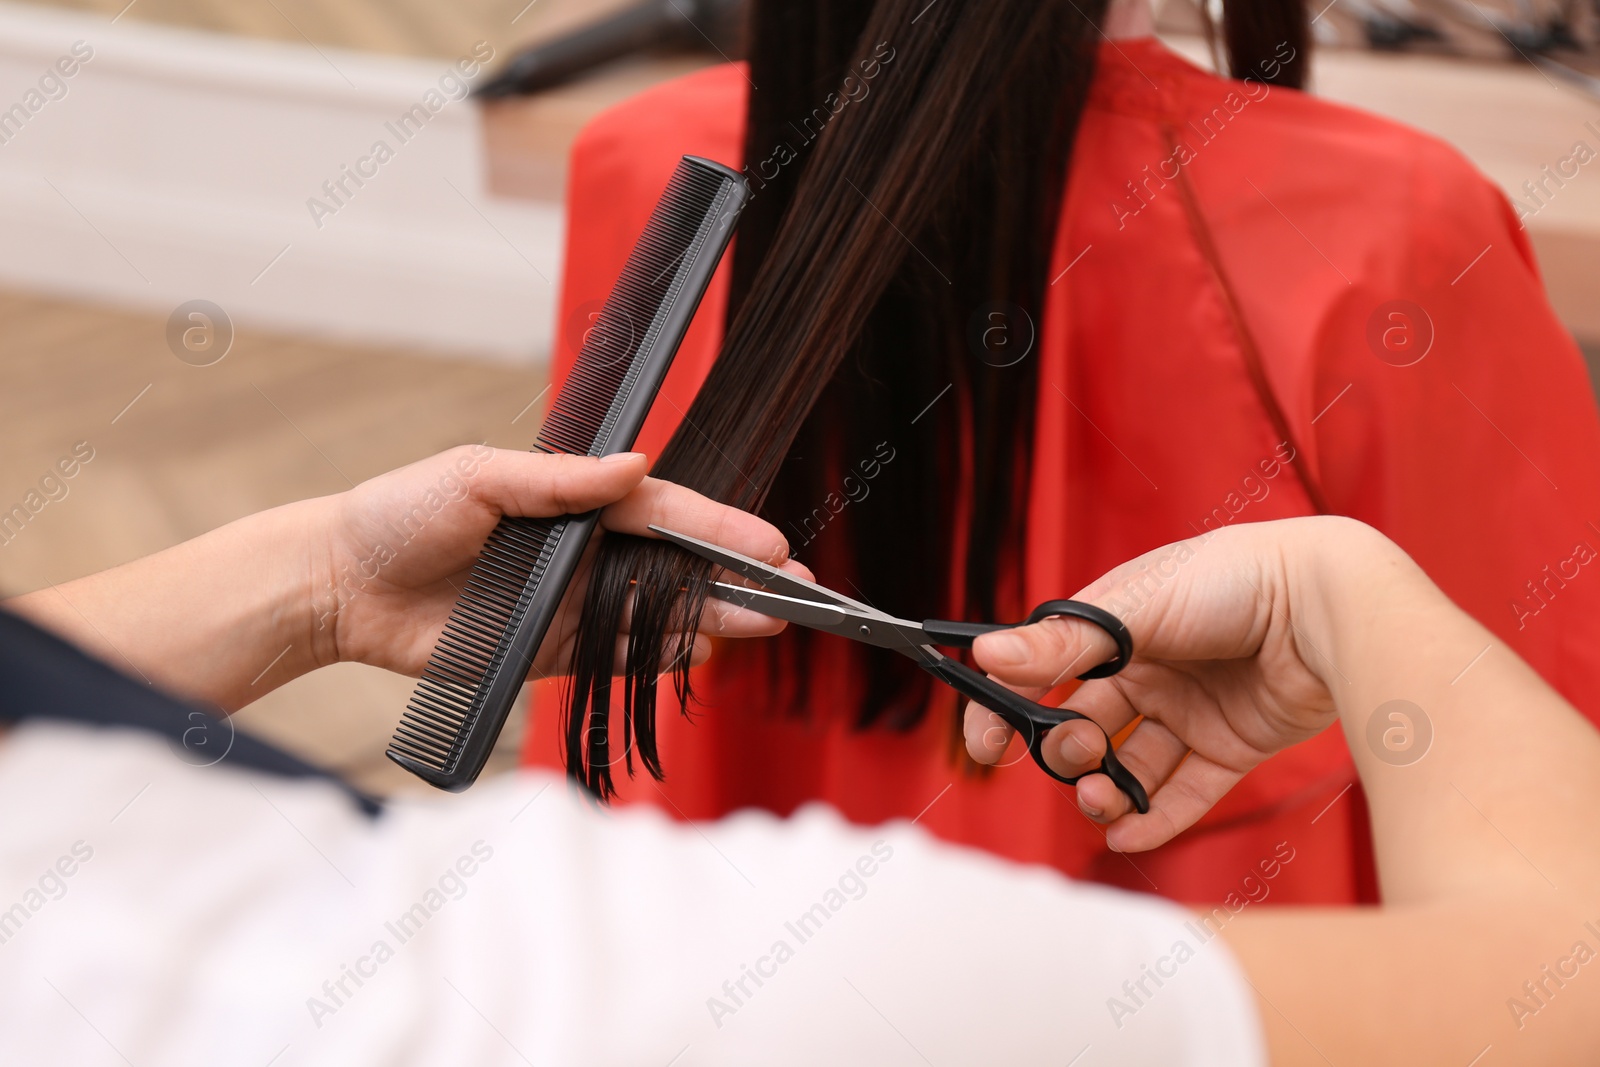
column 192, row 282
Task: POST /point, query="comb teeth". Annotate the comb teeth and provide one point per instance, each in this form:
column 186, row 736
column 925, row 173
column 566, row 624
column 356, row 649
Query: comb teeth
column 584, row 411
column 477, row 668
column 512, row 562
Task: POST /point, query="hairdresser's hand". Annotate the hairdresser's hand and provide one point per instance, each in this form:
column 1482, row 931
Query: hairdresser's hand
column 1229, row 636
column 399, row 547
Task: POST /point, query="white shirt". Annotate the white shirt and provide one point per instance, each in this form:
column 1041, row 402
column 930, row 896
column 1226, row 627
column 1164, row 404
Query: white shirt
column 157, row 913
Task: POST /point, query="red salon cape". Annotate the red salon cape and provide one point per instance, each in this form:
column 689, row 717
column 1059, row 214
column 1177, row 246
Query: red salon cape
column 1241, row 275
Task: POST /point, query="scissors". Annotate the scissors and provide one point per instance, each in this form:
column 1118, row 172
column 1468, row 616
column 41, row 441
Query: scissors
column 808, row 604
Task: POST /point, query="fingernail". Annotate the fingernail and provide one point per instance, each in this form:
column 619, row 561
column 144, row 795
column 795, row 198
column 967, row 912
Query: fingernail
column 1003, row 647
column 1093, row 813
column 618, row 457
column 1075, row 750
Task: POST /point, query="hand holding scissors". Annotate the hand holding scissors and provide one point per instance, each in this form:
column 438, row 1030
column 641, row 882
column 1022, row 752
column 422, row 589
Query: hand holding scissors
column 785, row 596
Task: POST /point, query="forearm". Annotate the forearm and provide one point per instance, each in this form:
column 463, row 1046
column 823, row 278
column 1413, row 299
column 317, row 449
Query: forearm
column 1484, row 844
column 223, row 618
column 1508, row 783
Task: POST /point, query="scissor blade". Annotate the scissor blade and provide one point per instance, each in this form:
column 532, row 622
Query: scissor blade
column 764, row 574
column 808, row 613
column 875, row 629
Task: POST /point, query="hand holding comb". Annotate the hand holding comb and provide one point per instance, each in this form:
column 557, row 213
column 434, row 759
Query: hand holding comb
column 479, row 664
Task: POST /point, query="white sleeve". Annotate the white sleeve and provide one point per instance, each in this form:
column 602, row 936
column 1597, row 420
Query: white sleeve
column 223, row 916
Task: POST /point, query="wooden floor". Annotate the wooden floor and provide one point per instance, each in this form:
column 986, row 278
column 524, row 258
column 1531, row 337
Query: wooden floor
column 276, row 420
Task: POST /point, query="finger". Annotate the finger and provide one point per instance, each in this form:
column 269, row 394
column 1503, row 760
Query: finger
column 702, row 650
column 1154, row 750
column 722, row 619
column 1194, row 788
column 719, row 618
column 1111, row 701
column 699, row 652
column 658, row 503
column 1075, row 747
column 541, row 485
column 1210, row 598
column 1045, row 653
column 1151, row 754
column 986, row 734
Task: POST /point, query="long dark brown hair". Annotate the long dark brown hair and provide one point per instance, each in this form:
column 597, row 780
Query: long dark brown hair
column 909, row 160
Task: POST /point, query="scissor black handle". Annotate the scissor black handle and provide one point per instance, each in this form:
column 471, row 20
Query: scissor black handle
column 962, row 634
column 1034, row 721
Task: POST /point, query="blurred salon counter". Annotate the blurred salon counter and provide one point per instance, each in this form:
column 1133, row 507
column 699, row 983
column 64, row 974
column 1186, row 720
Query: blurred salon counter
column 1537, row 137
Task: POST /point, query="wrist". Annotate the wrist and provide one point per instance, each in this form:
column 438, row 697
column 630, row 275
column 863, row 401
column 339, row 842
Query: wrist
column 266, row 601
column 1362, row 606
column 317, row 599
column 246, row 601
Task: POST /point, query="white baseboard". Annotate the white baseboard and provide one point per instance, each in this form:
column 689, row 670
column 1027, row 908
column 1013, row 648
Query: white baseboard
column 178, row 166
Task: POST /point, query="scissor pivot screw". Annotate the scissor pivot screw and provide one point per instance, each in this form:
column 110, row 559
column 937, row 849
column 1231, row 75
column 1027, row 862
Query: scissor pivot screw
column 866, row 631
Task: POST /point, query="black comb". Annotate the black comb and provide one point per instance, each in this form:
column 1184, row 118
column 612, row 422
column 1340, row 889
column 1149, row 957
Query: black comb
column 483, row 656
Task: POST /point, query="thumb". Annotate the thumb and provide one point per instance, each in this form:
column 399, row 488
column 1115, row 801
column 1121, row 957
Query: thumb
column 1046, row 653
column 537, row 485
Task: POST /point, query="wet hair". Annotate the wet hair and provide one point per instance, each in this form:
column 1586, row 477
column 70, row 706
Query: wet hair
column 903, row 212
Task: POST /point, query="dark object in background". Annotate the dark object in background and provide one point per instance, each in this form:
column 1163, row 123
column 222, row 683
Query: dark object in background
column 1549, row 34
column 655, row 24
column 1388, row 31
